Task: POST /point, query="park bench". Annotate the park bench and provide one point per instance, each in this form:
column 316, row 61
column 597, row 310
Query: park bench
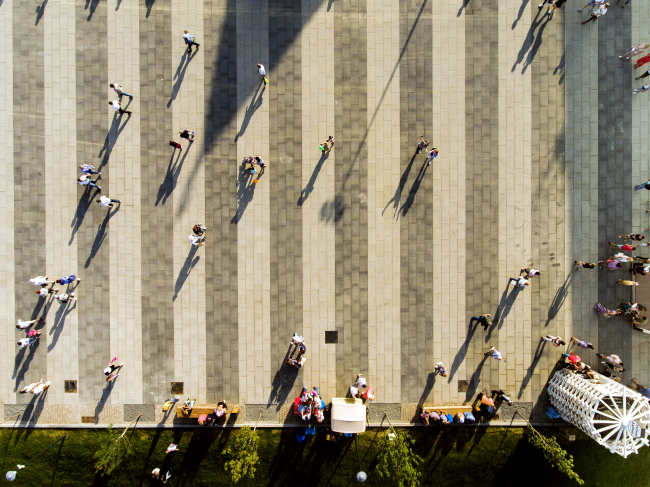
column 199, row 410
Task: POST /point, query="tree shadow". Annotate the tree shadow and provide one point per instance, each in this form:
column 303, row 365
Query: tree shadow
column 560, row 297
column 414, row 189
column 59, row 321
column 56, row 462
column 184, row 273
column 111, row 137
column 304, row 194
column 397, row 197
column 180, row 75
column 475, row 380
column 255, row 103
column 195, row 453
column 531, row 369
column 245, row 192
column 532, row 43
column 102, row 401
column 149, row 5
column 524, row 4
column 560, row 69
column 100, row 237
column 171, row 178
column 91, row 6
column 84, row 203
column 462, row 351
column 40, row 11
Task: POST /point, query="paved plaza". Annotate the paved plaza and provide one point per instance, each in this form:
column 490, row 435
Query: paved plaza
column 540, row 140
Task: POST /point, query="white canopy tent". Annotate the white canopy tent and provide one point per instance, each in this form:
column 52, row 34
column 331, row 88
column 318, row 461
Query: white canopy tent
column 614, row 415
column 348, row 415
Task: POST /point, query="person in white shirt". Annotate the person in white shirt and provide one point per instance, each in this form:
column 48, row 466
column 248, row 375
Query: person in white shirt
column 44, row 292
column 634, row 51
column 64, row 297
column 621, row 257
column 354, row 392
column 530, row 272
column 41, row 387
column 120, row 91
column 642, row 89
column 494, row 353
column 361, row 382
column 433, row 153
column 30, row 387
column 89, row 169
column 117, row 106
column 106, row 201
column 262, row 71
column 86, row 180
column 26, row 324
column 197, row 240
column 592, row 4
column 519, row 281
column 296, row 339
column 40, row 281
column 26, row 342
column 597, row 12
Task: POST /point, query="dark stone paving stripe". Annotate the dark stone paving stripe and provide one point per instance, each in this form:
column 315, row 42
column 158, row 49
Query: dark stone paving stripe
column 220, row 152
column 94, row 144
column 29, row 183
column 160, row 166
column 349, row 210
column 614, row 174
column 483, row 289
column 416, row 202
column 285, row 179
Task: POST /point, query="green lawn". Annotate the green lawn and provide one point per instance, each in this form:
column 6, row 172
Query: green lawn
column 458, row 456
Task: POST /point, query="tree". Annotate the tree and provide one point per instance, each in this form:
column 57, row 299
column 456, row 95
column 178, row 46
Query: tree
column 397, row 461
column 243, row 453
column 114, row 449
column 553, row 452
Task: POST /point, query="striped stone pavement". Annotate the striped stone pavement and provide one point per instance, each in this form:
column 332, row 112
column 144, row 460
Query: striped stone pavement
column 540, row 145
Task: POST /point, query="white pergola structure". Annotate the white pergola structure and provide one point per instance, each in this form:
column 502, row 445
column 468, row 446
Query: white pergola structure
column 614, row 415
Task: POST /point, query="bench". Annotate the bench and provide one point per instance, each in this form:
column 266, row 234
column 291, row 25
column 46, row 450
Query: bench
column 449, row 409
column 199, row 410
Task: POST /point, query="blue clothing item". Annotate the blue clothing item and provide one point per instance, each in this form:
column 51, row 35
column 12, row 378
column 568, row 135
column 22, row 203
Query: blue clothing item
column 469, row 417
column 644, row 391
column 450, row 418
column 68, row 279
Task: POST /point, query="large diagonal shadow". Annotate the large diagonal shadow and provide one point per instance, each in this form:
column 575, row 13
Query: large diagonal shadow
column 532, row 43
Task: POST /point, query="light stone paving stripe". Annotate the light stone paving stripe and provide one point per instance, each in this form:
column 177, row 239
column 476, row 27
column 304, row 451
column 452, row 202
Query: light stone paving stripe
column 188, row 112
column 383, row 229
column 60, row 174
column 640, row 173
column 125, row 230
column 514, row 187
column 253, row 213
column 449, row 207
column 8, row 309
column 317, row 40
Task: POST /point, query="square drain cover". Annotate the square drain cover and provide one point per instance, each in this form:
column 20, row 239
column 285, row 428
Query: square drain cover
column 463, row 385
column 331, row 337
column 177, row 387
column 71, row 386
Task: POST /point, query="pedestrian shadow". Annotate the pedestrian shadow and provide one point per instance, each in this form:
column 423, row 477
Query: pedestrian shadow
column 532, row 43
column 462, row 351
column 466, row 3
column 522, row 8
column 531, row 368
column 283, row 382
column 414, row 189
column 431, row 381
column 505, row 305
column 21, row 367
column 245, row 192
column 560, row 69
column 59, row 321
column 304, row 194
column 84, row 203
column 100, row 237
column 560, row 297
column 188, row 265
column 332, row 211
column 40, row 11
column 180, row 75
column 397, row 197
column 117, row 5
column 149, row 5
column 255, row 103
column 171, row 178
column 91, row 6
column 475, row 380
column 111, row 137
column 102, row 401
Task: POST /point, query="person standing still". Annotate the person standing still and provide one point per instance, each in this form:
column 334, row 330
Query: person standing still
column 423, row 144
column 189, row 41
column 117, row 106
column 120, row 92
column 262, row 72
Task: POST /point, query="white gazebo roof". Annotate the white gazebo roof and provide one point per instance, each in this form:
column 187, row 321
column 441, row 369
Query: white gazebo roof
column 348, row 415
column 614, row 415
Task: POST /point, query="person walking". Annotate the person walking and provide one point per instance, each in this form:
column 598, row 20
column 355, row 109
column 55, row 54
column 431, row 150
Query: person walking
column 86, row 180
column 34, row 333
column 644, row 75
column 611, row 358
column 627, row 247
column 45, row 292
column 494, row 353
column 107, row 202
column 541, row 5
column 644, row 391
column 641, row 61
column 530, row 272
column 593, row 4
column 111, row 367
column 40, row 387
column 423, row 144
column 26, row 342
column 582, row 344
column 197, row 240
column 199, row 229
column 26, row 324
column 484, row 320
column 68, row 279
column 433, row 153
column 556, row 341
column 120, row 91
column 63, row 298
column 597, row 12
column 641, row 89
column 557, row 4
column 117, row 106
column 503, row 396
column 636, row 237
column 583, row 265
column 175, row 144
column 186, row 134
column 611, row 264
column 441, row 369
column 189, row 41
column 262, row 72
column 40, row 281
column 519, row 281
column 296, row 339
column 645, row 185
column 88, row 169
column 635, row 51
column 625, row 282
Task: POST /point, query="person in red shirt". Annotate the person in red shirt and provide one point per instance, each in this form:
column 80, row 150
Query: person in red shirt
column 622, row 246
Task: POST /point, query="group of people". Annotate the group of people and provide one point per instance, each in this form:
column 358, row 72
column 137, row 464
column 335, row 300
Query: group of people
column 301, row 348
column 442, row 417
column 361, row 384
column 310, row 403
